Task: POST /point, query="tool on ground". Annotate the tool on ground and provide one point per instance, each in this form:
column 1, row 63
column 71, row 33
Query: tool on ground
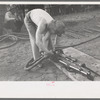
column 69, row 63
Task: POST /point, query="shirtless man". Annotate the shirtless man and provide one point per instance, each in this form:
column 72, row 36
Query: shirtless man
column 41, row 26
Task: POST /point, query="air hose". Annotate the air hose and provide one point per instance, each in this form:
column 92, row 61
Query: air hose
column 12, row 37
column 62, row 47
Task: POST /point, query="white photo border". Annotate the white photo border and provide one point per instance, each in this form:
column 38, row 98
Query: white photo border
column 59, row 89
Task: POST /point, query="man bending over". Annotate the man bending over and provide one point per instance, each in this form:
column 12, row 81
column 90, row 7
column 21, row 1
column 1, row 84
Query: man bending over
column 41, row 26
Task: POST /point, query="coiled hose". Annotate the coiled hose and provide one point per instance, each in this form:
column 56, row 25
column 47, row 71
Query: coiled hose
column 12, row 37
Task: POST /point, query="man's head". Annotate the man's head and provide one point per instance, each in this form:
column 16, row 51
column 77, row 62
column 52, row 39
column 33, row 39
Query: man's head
column 12, row 8
column 57, row 27
column 60, row 28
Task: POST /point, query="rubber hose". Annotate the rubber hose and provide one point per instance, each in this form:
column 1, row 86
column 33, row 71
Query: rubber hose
column 5, row 36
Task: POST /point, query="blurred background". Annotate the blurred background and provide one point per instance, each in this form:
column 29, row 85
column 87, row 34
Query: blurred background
column 54, row 10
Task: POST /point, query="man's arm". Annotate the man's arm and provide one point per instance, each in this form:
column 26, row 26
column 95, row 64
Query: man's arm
column 47, row 41
column 55, row 41
column 42, row 44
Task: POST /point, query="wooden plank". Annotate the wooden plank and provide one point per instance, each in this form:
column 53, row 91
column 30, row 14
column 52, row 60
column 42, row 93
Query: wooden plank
column 90, row 62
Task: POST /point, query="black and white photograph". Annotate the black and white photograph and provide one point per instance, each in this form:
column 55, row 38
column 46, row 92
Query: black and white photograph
column 49, row 46
column 49, row 42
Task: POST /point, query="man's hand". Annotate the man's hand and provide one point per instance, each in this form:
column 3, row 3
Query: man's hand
column 47, row 53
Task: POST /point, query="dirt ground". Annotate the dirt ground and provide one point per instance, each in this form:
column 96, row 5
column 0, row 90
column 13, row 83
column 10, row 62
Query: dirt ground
column 82, row 30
